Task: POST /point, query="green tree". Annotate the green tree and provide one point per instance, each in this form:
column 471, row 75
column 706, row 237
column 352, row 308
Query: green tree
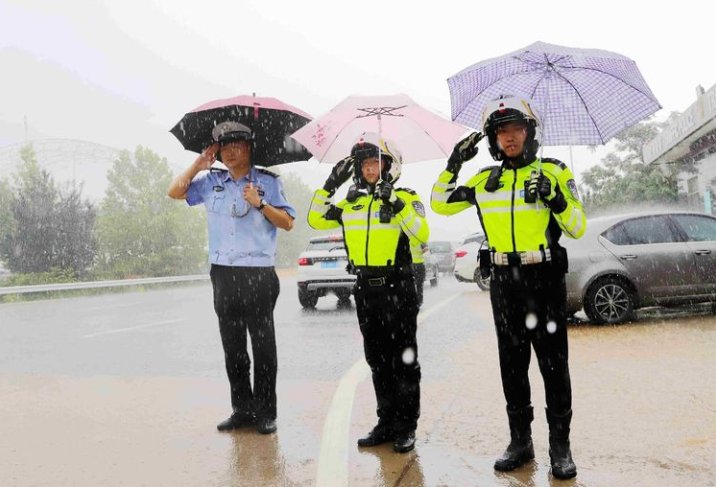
column 7, row 222
column 290, row 244
column 624, row 179
column 141, row 231
column 49, row 228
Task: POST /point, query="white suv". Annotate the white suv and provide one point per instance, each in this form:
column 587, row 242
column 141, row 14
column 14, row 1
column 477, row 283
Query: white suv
column 467, row 260
column 322, row 269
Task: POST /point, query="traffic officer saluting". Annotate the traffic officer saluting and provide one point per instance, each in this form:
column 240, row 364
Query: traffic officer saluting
column 378, row 222
column 524, row 205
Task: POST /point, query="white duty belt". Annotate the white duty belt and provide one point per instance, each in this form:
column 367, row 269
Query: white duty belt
column 523, row 258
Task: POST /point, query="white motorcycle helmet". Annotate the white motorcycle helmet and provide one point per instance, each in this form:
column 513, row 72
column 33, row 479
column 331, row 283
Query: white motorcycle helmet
column 370, row 144
column 511, row 109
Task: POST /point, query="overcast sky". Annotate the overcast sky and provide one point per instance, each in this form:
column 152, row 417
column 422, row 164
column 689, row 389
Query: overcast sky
column 122, row 73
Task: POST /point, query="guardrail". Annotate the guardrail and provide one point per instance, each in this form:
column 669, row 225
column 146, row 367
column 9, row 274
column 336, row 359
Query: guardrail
column 40, row 288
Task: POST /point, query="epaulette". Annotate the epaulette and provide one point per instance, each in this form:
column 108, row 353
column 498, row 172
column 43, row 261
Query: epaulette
column 551, row 160
column 263, row 170
column 407, row 190
column 488, row 168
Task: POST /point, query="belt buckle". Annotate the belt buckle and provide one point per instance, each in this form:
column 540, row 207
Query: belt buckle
column 376, row 281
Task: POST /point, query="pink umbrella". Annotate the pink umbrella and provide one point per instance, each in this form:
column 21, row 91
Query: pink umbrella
column 418, row 133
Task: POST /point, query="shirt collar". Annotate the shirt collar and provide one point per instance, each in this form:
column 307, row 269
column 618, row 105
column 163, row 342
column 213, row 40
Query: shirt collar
column 250, row 176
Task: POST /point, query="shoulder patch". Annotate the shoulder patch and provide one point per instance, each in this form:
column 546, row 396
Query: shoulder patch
column 572, row 185
column 557, row 162
column 263, row 170
column 419, row 208
column 406, row 190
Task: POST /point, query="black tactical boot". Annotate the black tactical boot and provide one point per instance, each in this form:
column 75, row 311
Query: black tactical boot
column 560, row 456
column 520, row 449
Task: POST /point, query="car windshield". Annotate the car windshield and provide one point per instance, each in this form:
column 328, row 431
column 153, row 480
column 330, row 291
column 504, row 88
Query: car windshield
column 440, row 247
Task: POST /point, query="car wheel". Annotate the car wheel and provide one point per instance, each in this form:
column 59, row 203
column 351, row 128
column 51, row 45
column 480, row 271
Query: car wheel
column 307, row 299
column 434, row 280
column 609, row 300
column 482, row 282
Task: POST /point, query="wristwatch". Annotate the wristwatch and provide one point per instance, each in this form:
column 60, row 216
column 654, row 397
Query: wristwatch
column 262, row 205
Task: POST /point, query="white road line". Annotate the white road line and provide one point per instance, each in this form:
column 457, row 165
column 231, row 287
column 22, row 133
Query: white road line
column 333, row 458
column 132, row 328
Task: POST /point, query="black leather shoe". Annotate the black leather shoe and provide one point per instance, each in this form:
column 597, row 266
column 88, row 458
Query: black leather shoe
column 379, row 434
column 266, row 426
column 404, row 442
column 235, row 421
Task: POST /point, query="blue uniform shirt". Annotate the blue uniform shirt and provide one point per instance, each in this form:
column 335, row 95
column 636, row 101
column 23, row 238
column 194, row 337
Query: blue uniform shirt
column 239, row 235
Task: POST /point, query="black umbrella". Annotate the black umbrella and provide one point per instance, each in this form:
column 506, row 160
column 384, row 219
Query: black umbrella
column 271, row 120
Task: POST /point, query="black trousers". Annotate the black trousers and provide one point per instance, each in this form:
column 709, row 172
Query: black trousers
column 244, row 300
column 529, row 309
column 419, row 273
column 388, row 318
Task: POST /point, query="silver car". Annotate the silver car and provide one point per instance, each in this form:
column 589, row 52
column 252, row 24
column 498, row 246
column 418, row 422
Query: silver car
column 444, row 253
column 322, row 269
column 630, row 261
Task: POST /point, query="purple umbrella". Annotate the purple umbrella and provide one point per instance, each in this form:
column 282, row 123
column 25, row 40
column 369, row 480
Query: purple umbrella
column 582, row 96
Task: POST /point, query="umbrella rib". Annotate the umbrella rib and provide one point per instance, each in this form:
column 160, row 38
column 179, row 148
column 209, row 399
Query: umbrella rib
column 584, row 103
column 488, row 87
column 610, row 75
column 618, row 79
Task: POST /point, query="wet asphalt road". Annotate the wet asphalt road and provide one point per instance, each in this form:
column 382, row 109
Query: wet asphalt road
column 125, row 390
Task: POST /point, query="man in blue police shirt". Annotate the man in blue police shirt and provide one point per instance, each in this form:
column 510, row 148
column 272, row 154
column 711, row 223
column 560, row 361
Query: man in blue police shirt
column 244, row 207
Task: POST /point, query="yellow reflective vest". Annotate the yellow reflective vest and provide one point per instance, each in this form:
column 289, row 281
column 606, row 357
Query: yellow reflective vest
column 511, row 224
column 368, row 241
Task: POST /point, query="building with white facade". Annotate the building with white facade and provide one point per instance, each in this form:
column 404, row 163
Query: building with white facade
column 690, row 141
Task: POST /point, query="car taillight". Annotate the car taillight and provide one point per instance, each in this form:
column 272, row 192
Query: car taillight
column 304, row 261
column 460, row 253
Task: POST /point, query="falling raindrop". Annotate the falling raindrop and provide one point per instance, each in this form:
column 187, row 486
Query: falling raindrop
column 408, row 356
column 551, row 326
column 531, row 321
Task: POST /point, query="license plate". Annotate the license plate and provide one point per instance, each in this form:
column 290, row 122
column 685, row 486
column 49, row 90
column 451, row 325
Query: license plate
column 329, row 264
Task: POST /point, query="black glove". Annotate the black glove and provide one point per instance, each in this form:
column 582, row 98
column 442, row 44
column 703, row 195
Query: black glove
column 340, row 174
column 464, row 150
column 552, row 197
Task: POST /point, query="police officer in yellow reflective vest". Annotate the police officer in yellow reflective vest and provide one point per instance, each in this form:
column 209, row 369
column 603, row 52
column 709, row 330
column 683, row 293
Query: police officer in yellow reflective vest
column 524, row 205
column 378, row 222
